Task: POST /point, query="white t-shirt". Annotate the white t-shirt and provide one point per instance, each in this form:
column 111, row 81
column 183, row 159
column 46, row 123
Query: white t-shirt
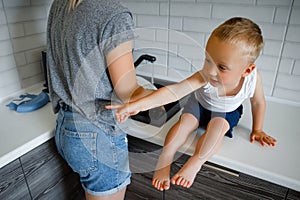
column 208, row 95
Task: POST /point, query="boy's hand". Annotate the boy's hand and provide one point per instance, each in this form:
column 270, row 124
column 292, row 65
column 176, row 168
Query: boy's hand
column 262, row 138
column 123, row 111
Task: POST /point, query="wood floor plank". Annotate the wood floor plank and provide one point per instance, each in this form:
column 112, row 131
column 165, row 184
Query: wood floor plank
column 12, row 182
column 293, row 195
column 48, row 175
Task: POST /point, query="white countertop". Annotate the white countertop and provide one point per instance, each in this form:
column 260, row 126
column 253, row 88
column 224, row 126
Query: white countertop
column 21, row 132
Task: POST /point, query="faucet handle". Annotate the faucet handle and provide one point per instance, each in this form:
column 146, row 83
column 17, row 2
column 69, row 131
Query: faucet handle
column 144, row 57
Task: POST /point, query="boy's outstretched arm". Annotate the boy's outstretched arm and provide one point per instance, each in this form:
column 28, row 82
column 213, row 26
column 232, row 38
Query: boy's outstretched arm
column 160, row 97
column 258, row 107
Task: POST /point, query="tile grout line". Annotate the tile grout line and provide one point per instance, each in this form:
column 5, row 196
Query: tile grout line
column 23, row 171
column 281, row 49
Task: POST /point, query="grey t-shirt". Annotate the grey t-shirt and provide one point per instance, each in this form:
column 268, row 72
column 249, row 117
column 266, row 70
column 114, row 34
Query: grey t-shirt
column 78, row 42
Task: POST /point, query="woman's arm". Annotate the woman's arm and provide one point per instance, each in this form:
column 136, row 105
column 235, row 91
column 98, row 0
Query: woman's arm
column 122, row 73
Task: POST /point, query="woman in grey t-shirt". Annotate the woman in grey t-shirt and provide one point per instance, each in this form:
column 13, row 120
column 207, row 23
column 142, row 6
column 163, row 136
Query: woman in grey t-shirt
column 90, row 63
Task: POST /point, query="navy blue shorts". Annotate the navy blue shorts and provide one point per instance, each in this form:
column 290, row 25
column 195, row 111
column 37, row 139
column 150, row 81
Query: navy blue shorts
column 204, row 116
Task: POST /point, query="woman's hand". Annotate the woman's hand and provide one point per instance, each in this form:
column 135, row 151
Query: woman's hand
column 262, row 138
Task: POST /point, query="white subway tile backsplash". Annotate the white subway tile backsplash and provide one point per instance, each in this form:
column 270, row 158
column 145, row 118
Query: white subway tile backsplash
column 27, row 82
column 8, row 77
column 30, row 70
column 180, row 63
column 164, row 9
column 184, row 0
column 191, row 52
column 34, row 55
column 286, row 66
column 162, row 35
column 281, row 15
column 272, row 47
column 267, row 63
column 7, row 62
column 273, row 2
column 200, row 25
column 293, row 34
column 296, row 3
column 199, row 38
column 146, row 33
column 4, row 34
column 2, row 16
column 262, row 14
column 295, row 16
column 179, row 54
column 291, row 50
column 143, row 8
column 41, row 2
column 146, row 45
column 272, row 31
column 194, row 10
column 22, row 14
column 20, row 58
column 16, row 30
column 235, row 2
column 288, row 82
column 176, row 23
column 267, row 77
column 283, row 93
column 267, row 90
column 296, row 68
column 16, row 3
column 152, row 21
column 29, row 42
column 176, row 37
column 197, row 64
column 5, row 48
column 33, row 27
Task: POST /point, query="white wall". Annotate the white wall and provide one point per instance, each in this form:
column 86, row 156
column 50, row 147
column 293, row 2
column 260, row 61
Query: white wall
column 179, row 51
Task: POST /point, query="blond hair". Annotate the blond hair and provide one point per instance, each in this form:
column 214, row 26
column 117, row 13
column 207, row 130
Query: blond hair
column 73, row 4
column 243, row 32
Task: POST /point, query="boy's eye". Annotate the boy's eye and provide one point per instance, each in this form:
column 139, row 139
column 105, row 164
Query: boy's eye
column 222, row 68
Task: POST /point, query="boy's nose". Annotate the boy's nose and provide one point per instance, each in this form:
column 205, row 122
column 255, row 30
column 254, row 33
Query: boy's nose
column 213, row 70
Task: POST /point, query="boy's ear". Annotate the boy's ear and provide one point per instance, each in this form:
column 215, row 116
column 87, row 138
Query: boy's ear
column 249, row 69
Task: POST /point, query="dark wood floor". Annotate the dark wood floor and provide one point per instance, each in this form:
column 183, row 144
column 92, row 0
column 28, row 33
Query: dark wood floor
column 209, row 184
column 42, row 174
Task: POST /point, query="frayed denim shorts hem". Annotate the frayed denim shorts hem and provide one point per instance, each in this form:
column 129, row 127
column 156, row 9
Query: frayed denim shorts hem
column 100, row 159
column 108, row 192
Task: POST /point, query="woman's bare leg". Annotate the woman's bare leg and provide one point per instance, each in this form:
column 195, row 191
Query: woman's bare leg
column 175, row 138
column 208, row 144
column 116, row 196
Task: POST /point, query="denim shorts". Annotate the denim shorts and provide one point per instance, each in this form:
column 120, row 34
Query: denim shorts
column 100, row 159
column 204, row 116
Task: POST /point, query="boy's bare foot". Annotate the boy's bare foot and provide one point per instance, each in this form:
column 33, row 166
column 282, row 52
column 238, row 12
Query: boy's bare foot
column 186, row 175
column 161, row 178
